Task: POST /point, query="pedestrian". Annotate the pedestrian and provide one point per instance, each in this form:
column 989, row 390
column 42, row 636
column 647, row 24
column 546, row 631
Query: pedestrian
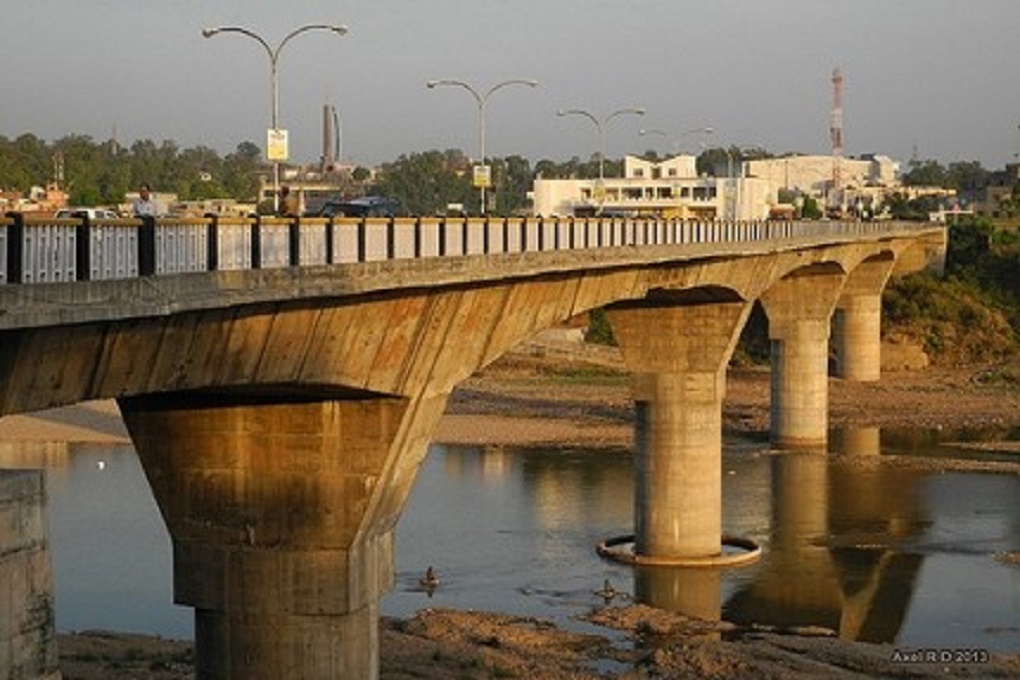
column 288, row 203
column 145, row 205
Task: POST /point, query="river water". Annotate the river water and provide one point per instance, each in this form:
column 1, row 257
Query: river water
column 877, row 552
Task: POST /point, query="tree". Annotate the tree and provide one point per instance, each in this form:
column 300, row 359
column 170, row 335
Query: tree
column 425, row 183
column 927, row 173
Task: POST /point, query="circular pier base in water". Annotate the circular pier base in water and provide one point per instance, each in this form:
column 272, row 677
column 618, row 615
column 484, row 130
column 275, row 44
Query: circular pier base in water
column 621, row 549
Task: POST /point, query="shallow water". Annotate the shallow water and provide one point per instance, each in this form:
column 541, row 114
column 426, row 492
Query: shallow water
column 875, row 552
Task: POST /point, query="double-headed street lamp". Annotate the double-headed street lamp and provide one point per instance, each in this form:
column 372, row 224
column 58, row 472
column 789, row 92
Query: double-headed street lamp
column 675, row 144
column 274, row 137
column 600, row 125
column 482, row 179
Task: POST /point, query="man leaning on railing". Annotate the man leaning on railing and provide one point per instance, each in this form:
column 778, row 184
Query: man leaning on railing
column 145, row 205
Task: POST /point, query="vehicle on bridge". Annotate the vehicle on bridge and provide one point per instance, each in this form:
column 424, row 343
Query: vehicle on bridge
column 366, row 206
column 91, row 213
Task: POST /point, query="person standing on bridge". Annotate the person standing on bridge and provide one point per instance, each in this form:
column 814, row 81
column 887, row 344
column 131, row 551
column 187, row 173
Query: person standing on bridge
column 145, row 205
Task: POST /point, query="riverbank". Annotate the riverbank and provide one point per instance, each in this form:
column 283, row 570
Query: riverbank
column 554, row 396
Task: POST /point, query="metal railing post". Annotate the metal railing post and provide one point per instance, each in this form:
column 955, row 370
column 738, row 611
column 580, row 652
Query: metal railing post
column 83, row 250
column 362, row 239
column 256, row 243
column 212, row 242
column 294, row 241
column 16, row 248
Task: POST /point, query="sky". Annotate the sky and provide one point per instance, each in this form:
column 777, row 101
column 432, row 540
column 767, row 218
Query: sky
column 931, row 79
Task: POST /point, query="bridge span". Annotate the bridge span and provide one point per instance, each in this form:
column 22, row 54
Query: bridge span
column 281, row 379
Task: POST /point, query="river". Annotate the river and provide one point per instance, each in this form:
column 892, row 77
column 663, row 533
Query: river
column 880, row 553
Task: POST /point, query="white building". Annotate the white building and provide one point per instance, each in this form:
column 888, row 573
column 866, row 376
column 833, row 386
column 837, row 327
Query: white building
column 669, row 188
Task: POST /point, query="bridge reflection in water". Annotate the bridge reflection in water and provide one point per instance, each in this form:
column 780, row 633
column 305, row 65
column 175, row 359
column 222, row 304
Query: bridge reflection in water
column 513, row 530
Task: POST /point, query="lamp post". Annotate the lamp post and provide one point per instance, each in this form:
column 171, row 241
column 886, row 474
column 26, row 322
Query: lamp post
column 600, row 126
column 274, row 58
column 482, row 100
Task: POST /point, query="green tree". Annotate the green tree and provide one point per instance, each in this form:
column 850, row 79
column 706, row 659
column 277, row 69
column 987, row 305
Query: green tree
column 425, row 183
column 927, row 173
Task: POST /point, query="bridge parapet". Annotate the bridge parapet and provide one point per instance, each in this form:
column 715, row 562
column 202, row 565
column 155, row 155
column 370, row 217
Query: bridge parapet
column 36, row 250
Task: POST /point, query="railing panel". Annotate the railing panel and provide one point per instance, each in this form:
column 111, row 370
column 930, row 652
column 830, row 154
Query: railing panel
column 430, row 228
column 475, row 244
column 312, row 241
column 274, row 243
column 376, row 238
column 345, row 239
column 182, row 245
column 233, row 243
column 453, row 230
column 404, row 235
column 113, row 249
column 48, row 253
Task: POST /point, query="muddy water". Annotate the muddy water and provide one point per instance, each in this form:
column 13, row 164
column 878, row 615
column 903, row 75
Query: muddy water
column 875, row 552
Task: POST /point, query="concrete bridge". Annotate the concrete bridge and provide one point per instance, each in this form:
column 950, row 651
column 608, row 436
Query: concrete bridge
column 281, row 379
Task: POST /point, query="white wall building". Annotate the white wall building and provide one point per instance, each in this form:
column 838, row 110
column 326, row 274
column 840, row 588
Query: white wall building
column 669, row 188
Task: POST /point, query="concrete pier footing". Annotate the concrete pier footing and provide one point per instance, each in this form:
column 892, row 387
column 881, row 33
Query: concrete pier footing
column 282, row 528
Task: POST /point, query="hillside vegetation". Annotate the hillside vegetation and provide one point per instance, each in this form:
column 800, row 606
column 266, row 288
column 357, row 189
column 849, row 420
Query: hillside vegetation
column 970, row 313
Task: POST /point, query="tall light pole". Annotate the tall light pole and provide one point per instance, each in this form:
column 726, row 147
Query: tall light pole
column 600, row 125
column 482, row 100
column 274, row 90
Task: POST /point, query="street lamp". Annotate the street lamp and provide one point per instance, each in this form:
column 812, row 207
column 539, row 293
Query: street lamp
column 481, row 100
column 274, row 57
column 675, row 145
column 600, row 125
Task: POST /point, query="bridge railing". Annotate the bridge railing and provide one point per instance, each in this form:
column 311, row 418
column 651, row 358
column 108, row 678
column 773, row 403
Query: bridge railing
column 46, row 249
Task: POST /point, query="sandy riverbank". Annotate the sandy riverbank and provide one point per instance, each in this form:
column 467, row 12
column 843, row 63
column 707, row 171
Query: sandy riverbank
column 584, row 401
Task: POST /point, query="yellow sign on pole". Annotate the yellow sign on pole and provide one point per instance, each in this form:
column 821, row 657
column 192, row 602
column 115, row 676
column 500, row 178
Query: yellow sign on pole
column 276, row 145
column 482, row 176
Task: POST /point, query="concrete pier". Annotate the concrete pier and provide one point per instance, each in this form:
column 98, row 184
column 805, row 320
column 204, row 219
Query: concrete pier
column 282, row 526
column 679, row 355
column 799, row 308
column 857, row 322
column 28, row 644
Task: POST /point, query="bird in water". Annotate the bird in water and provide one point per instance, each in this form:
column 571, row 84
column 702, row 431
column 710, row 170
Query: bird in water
column 430, row 581
column 608, row 592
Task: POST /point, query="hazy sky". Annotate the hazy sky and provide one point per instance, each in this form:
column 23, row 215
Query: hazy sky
column 938, row 76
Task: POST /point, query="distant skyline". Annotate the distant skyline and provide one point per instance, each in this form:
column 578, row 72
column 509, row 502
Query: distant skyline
column 935, row 76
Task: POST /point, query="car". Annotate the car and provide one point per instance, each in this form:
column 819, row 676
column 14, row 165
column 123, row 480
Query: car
column 366, row 206
column 91, row 213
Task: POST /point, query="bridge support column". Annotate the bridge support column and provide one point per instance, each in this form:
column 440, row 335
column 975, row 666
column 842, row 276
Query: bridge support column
column 679, row 355
column 799, row 309
column 857, row 324
column 282, row 520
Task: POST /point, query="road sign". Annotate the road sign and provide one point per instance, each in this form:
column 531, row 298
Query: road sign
column 482, row 176
column 276, row 145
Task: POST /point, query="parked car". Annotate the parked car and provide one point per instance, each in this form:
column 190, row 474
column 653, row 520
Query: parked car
column 366, row 206
column 91, row 213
